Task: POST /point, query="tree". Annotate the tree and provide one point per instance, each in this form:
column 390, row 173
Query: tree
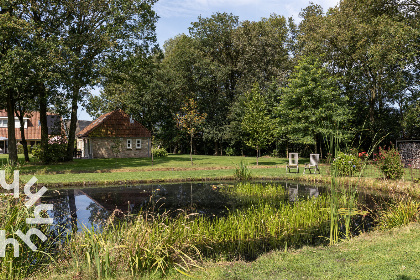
column 312, row 107
column 96, row 30
column 372, row 48
column 256, row 121
column 189, row 120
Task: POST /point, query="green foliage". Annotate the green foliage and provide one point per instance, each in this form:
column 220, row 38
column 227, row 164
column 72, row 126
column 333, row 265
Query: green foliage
column 389, row 162
column 13, row 218
column 256, row 121
column 189, row 120
column 20, row 149
column 312, row 105
column 153, row 242
column 159, row 152
column 275, row 153
column 399, row 214
column 56, row 152
column 242, row 172
column 346, row 164
column 229, row 151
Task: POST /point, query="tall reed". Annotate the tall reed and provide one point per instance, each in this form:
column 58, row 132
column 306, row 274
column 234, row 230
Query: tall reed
column 13, row 217
column 399, row 214
column 242, row 172
column 156, row 241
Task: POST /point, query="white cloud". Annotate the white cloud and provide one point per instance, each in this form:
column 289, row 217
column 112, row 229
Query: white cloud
column 176, row 15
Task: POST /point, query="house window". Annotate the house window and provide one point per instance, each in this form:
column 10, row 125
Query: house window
column 3, row 123
column 129, row 144
column 138, row 143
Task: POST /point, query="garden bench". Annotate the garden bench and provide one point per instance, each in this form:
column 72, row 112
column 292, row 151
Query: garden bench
column 313, row 164
column 293, row 162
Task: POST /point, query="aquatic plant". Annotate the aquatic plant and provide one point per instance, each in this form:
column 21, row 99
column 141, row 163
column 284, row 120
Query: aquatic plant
column 399, row 214
column 157, row 242
column 242, row 172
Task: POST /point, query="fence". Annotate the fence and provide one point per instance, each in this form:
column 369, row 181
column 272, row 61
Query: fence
column 371, row 170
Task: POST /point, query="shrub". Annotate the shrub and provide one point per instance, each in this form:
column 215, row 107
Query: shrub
column 20, row 149
column 56, row 152
column 346, row 164
column 390, row 164
column 159, row 152
column 229, row 151
column 242, row 172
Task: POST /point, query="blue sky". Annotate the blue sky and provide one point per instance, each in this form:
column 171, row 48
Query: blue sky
column 176, row 15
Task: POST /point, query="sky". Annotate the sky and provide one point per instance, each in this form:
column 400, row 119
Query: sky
column 176, row 15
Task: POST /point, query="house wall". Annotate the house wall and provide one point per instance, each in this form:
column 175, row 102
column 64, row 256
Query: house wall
column 117, row 148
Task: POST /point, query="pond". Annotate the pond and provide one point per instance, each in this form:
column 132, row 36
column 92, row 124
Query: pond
column 76, row 208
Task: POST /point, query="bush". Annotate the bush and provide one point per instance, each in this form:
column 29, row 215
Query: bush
column 56, row 152
column 159, row 152
column 346, row 164
column 390, row 164
column 20, row 149
column 229, row 151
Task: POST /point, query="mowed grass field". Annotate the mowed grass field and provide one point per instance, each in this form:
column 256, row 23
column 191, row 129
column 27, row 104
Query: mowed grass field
column 173, row 168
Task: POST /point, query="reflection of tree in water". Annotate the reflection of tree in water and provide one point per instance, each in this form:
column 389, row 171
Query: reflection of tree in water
column 98, row 215
column 63, row 213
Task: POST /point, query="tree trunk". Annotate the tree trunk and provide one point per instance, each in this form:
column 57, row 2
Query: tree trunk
column 11, row 128
column 216, row 148
column 257, row 155
column 22, row 134
column 73, row 124
column 191, row 149
column 73, row 210
column 44, row 125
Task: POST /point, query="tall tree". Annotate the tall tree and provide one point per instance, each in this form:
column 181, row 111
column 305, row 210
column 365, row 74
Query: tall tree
column 190, row 120
column 312, row 106
column 95, row 30
column 372, row 50
column 256, row 120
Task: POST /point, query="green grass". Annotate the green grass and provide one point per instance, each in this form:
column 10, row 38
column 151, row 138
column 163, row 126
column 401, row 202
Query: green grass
column 141, row 164
column 390, row 254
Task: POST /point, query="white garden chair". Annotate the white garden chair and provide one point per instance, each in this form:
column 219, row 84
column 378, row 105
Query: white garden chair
column 313, row 164
column 293, row 162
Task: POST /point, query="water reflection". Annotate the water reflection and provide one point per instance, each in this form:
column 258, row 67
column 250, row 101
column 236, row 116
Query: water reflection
column 90, row 207
column 305, row 191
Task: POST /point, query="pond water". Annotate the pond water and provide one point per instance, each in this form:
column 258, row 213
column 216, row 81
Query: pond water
column 87, row 207
column 76, row 208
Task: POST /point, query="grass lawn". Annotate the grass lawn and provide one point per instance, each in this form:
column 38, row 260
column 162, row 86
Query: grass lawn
column 390, row 254
column 171, row 168
column 393, row 254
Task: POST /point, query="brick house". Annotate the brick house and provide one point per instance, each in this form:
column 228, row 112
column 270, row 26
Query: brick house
column 114, row 135
column 32, row 129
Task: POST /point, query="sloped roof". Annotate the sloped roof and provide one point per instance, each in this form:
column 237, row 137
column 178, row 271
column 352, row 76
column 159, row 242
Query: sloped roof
column 115, row 124
column 33, row 131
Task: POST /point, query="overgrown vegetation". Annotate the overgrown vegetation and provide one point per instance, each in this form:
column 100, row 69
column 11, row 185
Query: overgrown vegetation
column 346, row 164
column 13, row 218
column 389, row 162
column 242, row 172
column 159, row 152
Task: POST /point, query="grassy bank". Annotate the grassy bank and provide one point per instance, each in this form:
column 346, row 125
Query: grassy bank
column 156, row 247
column 392, row 254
